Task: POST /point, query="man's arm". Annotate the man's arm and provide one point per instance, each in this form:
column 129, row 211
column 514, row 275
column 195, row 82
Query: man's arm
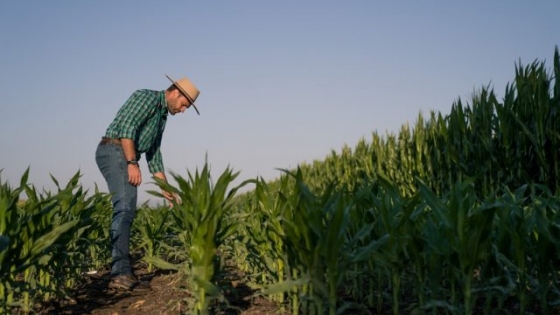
column 134, row 174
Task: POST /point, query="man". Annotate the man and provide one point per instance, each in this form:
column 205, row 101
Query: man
column 137, row 128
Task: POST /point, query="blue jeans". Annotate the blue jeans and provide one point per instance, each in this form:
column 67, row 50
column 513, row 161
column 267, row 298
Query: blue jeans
column 112, row 164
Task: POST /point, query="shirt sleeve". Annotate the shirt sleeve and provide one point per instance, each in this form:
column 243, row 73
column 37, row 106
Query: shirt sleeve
column 133, row 114
column 154, row 157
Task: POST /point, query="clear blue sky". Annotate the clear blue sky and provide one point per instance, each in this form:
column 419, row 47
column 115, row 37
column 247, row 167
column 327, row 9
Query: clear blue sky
column 282, row 82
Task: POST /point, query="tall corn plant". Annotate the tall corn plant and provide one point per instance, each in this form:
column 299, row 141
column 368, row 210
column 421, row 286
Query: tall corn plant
column 472, row 153
column 466, row 224
column 526, row 246
column 264, row 237
column 320, row 250
column 545, row 237
column 201, row 209
column 299, row 218
column 512, row 246
column 394, row 212
column 265, row 241
column 364, row 283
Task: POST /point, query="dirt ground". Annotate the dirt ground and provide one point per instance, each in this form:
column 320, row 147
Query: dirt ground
column 166, row 297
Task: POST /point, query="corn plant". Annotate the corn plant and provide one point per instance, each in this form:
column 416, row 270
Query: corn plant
column 320, row 247
column 394, row 213
column 45, row 241
column 74, row 254
column 151, row 227
column 29, row 240
column 201, row 209
column 545, row 237
column 467, row 226
column 264, row 234
column 97, row 238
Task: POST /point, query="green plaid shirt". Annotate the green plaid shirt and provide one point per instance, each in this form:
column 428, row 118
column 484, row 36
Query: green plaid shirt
column 142, row 118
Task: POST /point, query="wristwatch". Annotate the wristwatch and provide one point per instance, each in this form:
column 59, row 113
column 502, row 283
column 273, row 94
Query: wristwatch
column 132, row 162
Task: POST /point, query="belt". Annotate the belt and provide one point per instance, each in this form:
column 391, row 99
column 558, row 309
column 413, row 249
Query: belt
column 105, row 140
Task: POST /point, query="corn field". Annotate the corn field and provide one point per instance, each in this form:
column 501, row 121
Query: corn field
column 459, row 214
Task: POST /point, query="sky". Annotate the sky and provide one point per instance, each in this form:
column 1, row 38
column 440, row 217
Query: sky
column 282, row 82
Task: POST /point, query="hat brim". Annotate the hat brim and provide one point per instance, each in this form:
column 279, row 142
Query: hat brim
column 184, row 93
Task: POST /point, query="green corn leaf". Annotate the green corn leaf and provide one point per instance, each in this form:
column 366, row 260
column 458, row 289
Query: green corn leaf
column 364, row 253
column 43, row 242
column 162, row 264
column 284, row 286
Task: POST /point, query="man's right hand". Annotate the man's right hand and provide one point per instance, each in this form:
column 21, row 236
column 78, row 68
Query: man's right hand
column 134, row 175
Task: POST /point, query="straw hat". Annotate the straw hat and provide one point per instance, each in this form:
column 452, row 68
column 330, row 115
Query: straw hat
column 188, row 89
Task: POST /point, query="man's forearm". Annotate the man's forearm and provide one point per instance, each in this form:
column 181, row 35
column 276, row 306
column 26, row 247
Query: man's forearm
column 128, row 148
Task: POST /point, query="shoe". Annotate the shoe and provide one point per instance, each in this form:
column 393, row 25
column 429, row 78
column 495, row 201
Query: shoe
column 142, row 286
column 128, row 283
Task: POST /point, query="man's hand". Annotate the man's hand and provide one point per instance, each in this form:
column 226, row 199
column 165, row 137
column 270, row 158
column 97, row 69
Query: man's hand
column 171, row 197
column 167, row 195
column 134, row 175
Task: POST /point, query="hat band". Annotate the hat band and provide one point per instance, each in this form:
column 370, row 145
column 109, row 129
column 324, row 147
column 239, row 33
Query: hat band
column 184, row 93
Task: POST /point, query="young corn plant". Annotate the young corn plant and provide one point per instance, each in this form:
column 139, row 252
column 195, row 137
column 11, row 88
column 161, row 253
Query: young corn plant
column 9, row 232
column 151, row 227
column 201, row 208
column 31, row 234
column 71, row 257
column 98, row 246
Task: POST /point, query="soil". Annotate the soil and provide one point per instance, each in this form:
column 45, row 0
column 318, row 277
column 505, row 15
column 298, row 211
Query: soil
column 166, row 297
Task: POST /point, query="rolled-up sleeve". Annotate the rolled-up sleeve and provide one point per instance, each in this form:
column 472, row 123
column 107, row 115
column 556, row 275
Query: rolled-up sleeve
column 154, row 157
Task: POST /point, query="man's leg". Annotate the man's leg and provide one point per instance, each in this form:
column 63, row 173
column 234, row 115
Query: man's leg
column 112, row 164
